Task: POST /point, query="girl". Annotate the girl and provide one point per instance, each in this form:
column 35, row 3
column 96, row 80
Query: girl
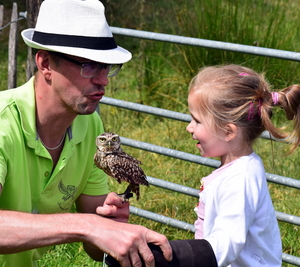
column 230, row 107
column 236, row 226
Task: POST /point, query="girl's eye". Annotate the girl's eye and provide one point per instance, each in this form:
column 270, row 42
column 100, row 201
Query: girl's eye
column 196, row 121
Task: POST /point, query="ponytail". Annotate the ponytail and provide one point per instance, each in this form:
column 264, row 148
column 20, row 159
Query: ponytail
column 289, row 100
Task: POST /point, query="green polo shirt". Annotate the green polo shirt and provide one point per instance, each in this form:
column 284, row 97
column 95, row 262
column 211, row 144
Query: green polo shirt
column 29, row 185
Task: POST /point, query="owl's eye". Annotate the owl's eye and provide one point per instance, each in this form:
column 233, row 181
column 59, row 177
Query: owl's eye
column 102, row 140
column 115, row 139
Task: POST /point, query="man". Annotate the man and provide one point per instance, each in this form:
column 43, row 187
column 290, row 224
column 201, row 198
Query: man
column 47, row 148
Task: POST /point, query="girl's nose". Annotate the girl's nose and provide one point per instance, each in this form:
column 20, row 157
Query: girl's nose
column 189, row 128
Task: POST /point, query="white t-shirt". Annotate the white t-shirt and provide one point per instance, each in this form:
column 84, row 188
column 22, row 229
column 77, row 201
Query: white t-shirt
column 240, row 222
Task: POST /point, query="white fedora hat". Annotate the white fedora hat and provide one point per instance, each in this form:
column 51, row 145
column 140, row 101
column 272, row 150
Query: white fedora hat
column 78, row 28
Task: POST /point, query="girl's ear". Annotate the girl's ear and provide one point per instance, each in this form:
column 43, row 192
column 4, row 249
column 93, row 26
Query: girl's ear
column 231, row 132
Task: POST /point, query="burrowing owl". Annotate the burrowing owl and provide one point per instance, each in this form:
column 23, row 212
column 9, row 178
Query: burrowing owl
column 116, row 163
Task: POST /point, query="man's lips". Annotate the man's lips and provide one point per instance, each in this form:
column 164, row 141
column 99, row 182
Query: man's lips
column 97, row 96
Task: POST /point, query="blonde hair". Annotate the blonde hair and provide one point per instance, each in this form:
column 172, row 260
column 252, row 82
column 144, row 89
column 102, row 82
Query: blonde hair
column 239, row 95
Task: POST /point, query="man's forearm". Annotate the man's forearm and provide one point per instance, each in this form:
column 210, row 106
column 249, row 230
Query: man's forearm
column 23, row 231
column 126, row 242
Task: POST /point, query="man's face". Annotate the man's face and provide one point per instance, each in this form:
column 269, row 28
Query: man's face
column 76, row 93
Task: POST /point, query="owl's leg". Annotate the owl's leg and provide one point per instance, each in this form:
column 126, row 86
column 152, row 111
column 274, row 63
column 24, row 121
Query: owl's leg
column 127, row 194
column 135, row 188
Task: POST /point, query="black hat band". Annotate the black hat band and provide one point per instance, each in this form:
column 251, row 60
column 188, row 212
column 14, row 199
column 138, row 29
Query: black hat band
column 97, row 43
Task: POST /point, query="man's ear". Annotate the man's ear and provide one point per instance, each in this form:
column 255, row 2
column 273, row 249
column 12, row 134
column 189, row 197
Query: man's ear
column 231, row 132
column 42, row 59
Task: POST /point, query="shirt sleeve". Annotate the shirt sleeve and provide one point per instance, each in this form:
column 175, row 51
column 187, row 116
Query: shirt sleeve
column 6, row 145
column 3, row 169
column 97, row 183
column 236, row 204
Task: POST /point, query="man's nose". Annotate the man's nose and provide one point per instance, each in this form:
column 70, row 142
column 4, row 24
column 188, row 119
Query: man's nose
column 101, row 78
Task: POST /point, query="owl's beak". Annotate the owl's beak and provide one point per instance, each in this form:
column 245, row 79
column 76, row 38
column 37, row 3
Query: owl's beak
column 109, row 144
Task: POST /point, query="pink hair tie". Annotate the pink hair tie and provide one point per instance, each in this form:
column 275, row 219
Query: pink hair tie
column 259, row 107
column 275, row 98
column 244, row 74
column 251, row 113
column 251, row 110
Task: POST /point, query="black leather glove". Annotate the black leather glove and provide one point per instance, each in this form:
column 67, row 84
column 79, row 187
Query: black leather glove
column 186, row 253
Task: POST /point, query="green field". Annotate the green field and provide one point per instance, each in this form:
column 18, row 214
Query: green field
column 158, row 75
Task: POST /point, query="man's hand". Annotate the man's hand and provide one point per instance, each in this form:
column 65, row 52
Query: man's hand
column 114, row 208
column 132, row 240
column 127, row 243
column 110, row 233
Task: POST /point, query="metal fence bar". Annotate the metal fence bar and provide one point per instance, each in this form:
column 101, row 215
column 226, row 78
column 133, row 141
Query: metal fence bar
column 173, row 187
column 282, row 180
column 189, row 227
column 260, row 51
column 186, row 118
column 281, row 54
column 194, row 192
column 247, row 49
column 290, row 259
column 169, row 114
column 161, row 219
column 182, row 155
column 146, row 109
column 288, row 218
column 170, row 152
column 284, row 217
column 286, row 181
column 274, row 178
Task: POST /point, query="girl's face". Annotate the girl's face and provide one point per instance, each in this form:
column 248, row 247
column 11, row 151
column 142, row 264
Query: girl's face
column 211, row 142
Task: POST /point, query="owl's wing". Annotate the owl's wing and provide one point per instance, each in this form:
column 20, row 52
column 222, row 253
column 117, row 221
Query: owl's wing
column 126, row 168
column 128, row 157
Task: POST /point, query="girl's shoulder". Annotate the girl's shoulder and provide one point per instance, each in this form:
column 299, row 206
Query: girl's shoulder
column 251, row 163
column 248, row 163
column 247, row 169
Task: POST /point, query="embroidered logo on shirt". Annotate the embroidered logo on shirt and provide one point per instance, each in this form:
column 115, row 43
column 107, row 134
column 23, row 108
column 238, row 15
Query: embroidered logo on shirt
column 69, row 192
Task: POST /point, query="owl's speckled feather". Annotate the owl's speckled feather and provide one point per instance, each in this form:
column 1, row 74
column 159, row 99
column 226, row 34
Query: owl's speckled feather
column 116, row 163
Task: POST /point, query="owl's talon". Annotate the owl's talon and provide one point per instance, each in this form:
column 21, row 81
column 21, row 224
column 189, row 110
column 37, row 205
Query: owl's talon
column 125, row 197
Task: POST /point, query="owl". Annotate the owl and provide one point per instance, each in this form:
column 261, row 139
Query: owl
column 119, row 165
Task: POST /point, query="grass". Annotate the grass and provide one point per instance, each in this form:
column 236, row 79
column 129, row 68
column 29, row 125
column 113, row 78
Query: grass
column 158, row 75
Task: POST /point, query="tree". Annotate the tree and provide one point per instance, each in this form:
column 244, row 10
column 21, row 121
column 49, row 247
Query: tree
column 33, row 7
